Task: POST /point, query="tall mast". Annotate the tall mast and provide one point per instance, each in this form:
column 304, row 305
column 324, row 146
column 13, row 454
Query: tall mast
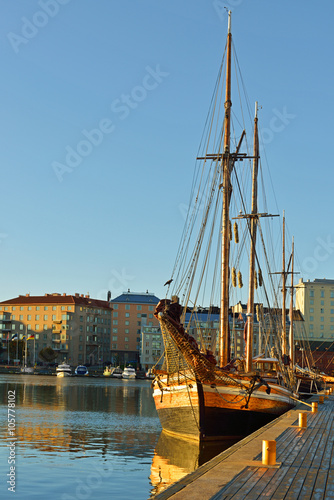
column 291, row 332
column 284, row 347
column 253, row 228
column 224, row 309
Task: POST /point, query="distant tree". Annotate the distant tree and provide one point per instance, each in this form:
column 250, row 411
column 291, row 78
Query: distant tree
column 47, row 355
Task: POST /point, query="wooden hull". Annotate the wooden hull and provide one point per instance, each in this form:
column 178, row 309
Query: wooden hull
column 202, row 411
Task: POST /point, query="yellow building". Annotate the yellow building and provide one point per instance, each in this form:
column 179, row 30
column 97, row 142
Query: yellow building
column 76, row 326
column 315, row 300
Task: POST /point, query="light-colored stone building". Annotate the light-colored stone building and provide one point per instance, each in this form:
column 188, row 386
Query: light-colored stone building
column 315, row 300
column 76, row 326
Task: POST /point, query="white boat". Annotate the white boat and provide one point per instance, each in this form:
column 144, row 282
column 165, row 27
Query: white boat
column 81, row 370
column 63, row 370
column 27, row 369
column 129, row 372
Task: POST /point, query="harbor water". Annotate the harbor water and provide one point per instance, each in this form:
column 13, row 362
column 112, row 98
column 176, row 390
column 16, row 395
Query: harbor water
column 85, row 438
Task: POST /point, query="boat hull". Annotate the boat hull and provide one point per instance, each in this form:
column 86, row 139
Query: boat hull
column 204, row 412
column 63, row 374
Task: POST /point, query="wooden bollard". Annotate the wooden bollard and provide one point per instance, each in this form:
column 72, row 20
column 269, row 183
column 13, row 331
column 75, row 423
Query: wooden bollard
column 303, row 419
column 321, row 399
column 314, row 407
column 268, row 452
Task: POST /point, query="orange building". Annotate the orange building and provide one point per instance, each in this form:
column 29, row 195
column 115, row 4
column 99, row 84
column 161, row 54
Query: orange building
column 76, row 326
column 130, row 312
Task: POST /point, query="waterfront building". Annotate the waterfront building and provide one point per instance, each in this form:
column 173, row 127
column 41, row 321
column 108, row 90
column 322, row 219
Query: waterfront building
column 315, row 299
column 152, row 347
column 77, row 326
column 131, row 311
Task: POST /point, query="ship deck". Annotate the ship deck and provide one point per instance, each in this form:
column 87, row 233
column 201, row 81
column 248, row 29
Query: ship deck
column 304, row 462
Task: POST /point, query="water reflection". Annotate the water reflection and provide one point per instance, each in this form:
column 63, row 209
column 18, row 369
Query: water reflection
column 174, row 458
column 71, row 427
column 84, row 418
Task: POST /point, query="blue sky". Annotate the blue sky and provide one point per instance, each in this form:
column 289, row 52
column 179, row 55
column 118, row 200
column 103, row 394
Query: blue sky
column 143, row 72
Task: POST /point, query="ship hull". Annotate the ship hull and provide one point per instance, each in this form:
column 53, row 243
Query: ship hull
column 200, row 411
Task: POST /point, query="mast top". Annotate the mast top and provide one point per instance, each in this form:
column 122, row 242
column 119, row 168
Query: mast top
column 256, row 108
column 229, row 22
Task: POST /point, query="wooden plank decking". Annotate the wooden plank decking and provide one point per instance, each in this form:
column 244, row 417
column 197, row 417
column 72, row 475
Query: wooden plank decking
column 304, row 470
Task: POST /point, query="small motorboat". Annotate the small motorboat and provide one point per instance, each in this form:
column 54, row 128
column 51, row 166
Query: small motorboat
column 63, row 370
column 107, row 371
column 116, row 372
column 81, row 370
column 129, row 372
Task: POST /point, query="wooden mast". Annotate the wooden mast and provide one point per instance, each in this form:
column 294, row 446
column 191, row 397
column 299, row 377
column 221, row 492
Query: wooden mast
column 291, row 331
column 224, row 308
column 253, row 229
column 284, row 347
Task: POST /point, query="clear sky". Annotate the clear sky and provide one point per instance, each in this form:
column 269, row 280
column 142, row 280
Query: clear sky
column 103, row 103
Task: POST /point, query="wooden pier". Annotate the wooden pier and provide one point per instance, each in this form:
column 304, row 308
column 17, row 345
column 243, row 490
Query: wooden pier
column 304, row 467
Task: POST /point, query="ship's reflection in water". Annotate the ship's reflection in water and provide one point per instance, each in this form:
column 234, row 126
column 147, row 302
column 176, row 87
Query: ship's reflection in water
column 174, row 458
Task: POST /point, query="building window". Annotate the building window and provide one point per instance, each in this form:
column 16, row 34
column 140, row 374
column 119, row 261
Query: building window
column 126, row 346
column 322, row 302
column 29, row 327
column 45, row 308
column 150, row 308
column 29, row 317
column 126, row 339
column 115, row 322
column 322, row 294
column 138, row 307
column 127, row 323
column 54, row 308
column 322, row 310
column 311, row 318
column 114, row 338
column 45, row 327
column 127, row 315
column 115, row 314
column 36, row 327
column 311, row 327
column 37, row 308
column 114, row 306
column 37, row 316
column 138, row 315
column 21, row 317
column 311, row 310
column 29, row 308
column 311, row 293
column 114, row 346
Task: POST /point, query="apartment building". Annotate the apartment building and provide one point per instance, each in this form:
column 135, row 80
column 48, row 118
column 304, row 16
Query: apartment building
column 131, row 311
column 77, row 327
column 315, row 299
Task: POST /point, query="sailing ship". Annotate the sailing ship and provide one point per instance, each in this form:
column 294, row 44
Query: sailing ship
column 195, row 398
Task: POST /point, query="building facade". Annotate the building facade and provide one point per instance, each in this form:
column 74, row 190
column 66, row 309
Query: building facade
column 131, row 311
column 76, row 327
column 315, row 300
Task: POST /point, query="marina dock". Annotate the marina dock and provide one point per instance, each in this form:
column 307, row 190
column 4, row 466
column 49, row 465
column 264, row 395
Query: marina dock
column 304, row 466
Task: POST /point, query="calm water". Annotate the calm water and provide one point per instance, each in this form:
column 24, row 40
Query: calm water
column 88, row 438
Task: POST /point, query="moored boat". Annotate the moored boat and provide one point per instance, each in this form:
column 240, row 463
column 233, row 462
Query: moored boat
column 63, row 370
column 107, row 371
column 81, row 371
column 129, row 373
column 116, row 372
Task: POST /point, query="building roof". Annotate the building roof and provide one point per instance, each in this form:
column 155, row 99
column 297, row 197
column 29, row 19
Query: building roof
column 136, row 298
column 57, row 298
